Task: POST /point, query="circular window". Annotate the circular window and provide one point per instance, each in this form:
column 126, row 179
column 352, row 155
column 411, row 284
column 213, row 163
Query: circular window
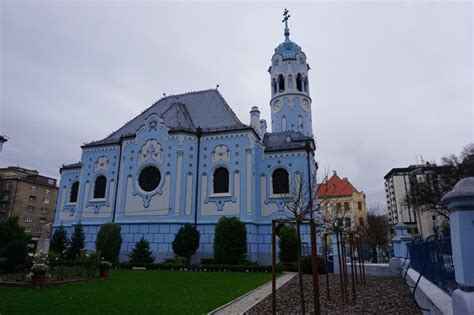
column 149, row 178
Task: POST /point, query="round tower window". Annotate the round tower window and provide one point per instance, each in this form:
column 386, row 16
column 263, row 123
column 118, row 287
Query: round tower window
column 149, row 178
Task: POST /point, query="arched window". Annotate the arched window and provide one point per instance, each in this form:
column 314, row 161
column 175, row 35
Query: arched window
column 280, row 181
column 281, row 83
column 300, row 123
column 221, row 180
column 274, row 86
column 290, row 81
column 283, row 123
column 299, row 81
column 306, row 85
column 74, row 191
column 99, row 187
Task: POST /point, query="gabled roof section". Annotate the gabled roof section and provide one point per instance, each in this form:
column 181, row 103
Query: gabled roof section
column 206, row 109
column 336, row 187
column 287, row 140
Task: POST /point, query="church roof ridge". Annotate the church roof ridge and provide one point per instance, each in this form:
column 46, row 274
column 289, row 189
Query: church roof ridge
column 204, row 108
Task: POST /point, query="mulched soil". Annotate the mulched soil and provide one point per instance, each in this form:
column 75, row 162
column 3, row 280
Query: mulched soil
column 380, row 295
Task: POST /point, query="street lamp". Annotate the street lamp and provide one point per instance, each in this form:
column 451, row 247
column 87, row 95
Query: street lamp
column 3, row 139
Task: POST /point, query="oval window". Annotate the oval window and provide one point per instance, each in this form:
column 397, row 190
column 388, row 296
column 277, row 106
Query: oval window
column 149, row 178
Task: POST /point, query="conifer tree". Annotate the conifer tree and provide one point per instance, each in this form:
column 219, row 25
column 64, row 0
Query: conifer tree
column 186, row 242
column 59, row 242
column 108, row 241
column 77, row 242
column 141, row 253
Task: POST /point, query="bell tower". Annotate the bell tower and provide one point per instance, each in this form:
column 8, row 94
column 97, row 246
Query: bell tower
column 290, row 102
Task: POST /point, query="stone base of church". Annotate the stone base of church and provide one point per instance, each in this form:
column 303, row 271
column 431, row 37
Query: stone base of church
column 161, row 235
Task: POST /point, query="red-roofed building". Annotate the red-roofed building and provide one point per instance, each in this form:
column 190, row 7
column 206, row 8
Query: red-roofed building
column 342, row 202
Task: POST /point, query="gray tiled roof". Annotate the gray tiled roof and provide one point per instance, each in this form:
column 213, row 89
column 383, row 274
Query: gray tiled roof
column 206, row 109
column 288, row 140
column 70, row 166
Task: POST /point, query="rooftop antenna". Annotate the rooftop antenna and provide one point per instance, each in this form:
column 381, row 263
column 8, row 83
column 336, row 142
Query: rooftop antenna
column 217, row 86
column 286, row 16
column 164, row 94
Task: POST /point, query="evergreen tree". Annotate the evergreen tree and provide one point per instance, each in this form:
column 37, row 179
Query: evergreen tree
column 186, row 242
column 230, row 241
column 108, row 241
column 141, row 253
column 13, row 244
column 59, row 242
column 288, row 244
column 77, row 242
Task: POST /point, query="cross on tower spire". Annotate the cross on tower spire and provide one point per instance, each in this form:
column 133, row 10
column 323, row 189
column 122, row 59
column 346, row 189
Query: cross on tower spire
column 286, row 16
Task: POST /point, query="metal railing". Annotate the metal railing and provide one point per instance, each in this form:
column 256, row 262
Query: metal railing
column 433, row 259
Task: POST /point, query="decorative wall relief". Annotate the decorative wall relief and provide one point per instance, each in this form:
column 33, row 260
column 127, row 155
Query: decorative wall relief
column 102, row 164
column 220, row 153
column 150, row 151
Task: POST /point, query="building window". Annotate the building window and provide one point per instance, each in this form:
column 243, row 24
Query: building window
column 30, row 208
column 299, row 81
column 42, row 220
column 280, row 181
column 99, row 187
column 40, row 230
column 29, row 219
column 27, row 229
column 338, row 207
column 47, row 191
column 348, row 222
column 359, row 206
column 149, row 178
column 44, row 210
column 74, row 191
column 8, row 186
column 32, row 198
column 221, row 180
column 281, row 83
column 346, row 206
column 46, row 201
column 361, row 221
column 33, row 188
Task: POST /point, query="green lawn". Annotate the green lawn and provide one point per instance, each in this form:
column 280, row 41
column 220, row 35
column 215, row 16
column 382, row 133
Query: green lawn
column 135, row 292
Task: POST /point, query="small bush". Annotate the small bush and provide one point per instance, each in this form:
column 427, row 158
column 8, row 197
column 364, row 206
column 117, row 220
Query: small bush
column 186, row 242
column 141, row 253
column 108, row 241
column 77, row 243
column 207, row 261
column 288, row 244
column 178, row 261
column 230, row 241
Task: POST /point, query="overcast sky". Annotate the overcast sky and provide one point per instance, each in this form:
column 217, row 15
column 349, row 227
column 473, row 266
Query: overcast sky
column 389, row 81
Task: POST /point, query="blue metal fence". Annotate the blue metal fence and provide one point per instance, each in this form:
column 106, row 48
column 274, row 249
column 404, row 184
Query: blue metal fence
column 433, row 259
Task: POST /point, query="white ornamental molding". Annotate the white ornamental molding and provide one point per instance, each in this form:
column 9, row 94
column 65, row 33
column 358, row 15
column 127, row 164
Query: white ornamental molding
column 220, row 153
column 150, row 151
column 102, row 164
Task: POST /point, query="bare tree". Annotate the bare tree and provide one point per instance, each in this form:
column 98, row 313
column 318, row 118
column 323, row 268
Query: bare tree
column 375, row 232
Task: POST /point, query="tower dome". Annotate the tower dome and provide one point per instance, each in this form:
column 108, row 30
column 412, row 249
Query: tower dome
column 290, row 102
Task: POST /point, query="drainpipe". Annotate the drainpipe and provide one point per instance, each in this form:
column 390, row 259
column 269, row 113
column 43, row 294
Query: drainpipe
column 199, row 135
column 310, row 189
column 117, row 184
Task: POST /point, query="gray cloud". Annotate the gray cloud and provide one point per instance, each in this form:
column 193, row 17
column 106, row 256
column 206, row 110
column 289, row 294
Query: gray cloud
column 389, row 80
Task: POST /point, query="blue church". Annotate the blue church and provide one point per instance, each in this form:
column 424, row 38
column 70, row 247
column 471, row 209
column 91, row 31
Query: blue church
column 189, row 159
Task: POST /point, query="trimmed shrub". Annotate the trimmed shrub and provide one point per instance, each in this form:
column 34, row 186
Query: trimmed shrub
column 77, row 243
column 230, row 241
column 59, row 242
column 141, row 253
column 108, row 241
column 288, row 245
column 13, row 244
column 186, row 242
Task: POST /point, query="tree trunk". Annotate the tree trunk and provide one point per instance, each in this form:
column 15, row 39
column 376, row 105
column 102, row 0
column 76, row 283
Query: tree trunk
column 300, row 268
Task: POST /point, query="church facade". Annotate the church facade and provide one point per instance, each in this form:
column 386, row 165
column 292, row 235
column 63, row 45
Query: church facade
column 189, row 159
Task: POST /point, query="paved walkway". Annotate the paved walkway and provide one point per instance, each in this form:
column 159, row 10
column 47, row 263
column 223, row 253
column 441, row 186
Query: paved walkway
column 247, row 301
